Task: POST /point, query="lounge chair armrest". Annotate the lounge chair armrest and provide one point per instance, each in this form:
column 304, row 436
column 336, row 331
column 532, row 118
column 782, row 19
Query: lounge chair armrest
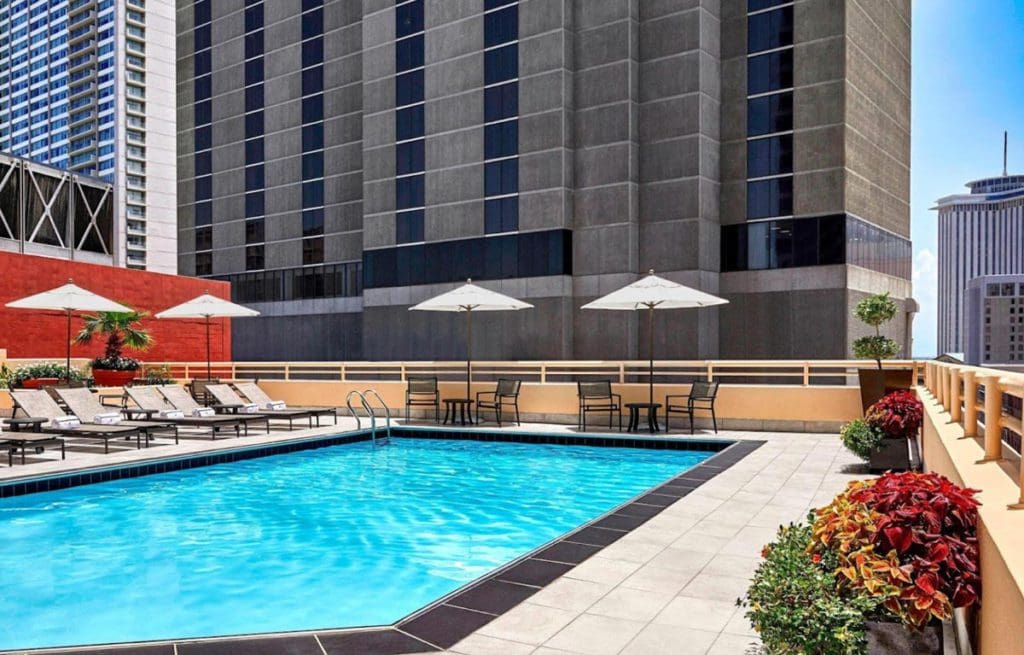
column 485, row 393
column 617, row 397
column 681, row 395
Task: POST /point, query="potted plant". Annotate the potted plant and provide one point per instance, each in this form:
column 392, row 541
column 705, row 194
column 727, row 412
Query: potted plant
column 876, row 311
column 861, row 438
column 113, row 369
column 896, row 418
column 156, row 375
column 37, row 376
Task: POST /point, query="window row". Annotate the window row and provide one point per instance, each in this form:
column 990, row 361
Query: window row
column 770, row 156
column 331, row 281
column 408, row 18
column 786, row 243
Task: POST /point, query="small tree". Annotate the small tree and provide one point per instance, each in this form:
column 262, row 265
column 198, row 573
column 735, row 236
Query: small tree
column 876, row 311
column 122, row 332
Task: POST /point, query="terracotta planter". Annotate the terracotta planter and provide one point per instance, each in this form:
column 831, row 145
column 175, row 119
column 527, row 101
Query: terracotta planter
column 107, row 378
column 896, row 639
column 875, row 384
column 893, row 455
column 38, row 383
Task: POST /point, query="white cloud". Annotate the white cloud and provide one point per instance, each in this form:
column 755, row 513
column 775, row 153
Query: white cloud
column 926, row 280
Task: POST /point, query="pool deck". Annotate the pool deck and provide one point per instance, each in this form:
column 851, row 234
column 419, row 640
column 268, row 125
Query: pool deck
column 666, row 586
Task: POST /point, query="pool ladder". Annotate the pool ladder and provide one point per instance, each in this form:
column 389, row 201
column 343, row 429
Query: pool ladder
column 370, row 411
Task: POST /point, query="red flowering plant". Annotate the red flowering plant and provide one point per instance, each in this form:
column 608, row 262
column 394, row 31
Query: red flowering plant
column 908, row 540
column 898, row 415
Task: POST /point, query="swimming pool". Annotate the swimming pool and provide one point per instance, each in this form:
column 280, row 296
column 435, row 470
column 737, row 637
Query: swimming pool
column 340, row 536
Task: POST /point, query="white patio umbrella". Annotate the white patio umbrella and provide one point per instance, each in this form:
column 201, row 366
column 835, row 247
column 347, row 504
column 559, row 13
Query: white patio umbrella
column 470, row 298
column 650, row 293
column 69, row 298
column 206, row 307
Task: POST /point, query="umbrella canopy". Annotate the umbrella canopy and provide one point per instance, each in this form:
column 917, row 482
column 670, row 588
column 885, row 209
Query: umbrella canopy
column 206, row 307
column 470, row 298
column 650, row 293
column 69, row 298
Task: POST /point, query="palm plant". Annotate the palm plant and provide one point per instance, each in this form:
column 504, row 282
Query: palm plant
column 122, row 331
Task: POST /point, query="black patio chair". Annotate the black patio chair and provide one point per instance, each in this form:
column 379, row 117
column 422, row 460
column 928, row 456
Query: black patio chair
column 422, row 392
column 505, row 394
column 598, row 397
column 701, row 398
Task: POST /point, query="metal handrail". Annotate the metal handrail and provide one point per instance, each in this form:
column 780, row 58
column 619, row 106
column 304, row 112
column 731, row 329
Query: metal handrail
column 387, row 410
column 369, row 411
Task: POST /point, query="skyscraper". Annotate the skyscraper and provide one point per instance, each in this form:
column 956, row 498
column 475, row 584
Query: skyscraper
column 87, row 86
column 758, row 149
column 981, row 233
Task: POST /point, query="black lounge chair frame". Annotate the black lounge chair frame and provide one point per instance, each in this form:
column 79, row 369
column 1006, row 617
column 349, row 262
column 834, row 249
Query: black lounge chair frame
column 422, row 392
column 505, row 394
column 597, row 396
column 701, row 398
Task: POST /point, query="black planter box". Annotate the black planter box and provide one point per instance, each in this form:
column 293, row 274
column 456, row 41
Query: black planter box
column 892, row 455
column 874, row 384
column 896, row 639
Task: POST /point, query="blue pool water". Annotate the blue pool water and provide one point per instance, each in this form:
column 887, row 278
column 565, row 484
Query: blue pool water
column 342, row 536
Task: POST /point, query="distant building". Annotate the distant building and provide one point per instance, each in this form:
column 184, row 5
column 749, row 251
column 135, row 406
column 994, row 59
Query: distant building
column 342, row 160
column 994, row 320
column 981, row 233
column 88, row 87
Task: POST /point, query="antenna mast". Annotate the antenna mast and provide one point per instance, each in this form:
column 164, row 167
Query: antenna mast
column 1005, row 140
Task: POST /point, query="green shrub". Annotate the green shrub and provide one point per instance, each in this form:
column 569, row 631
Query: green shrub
column 156, row 375
column 875, row 311
column 794, row 605
column 861, row 438
column 43, row 370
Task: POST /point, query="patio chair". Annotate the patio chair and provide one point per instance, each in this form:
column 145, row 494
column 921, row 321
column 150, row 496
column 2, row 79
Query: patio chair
column 36, row 403
column 598, row 397
column 505, row 394
column 183, row 400
column 423, row 392
column 198, row 389
column 225, row 398
column 149, row 403
column 255, row 394
column 83, row 404
column 701, row 398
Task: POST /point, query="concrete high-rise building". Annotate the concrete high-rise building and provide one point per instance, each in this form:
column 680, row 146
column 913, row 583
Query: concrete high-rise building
column 994, row 321
column 87, row 86
column 340, row 161
column 981, row 233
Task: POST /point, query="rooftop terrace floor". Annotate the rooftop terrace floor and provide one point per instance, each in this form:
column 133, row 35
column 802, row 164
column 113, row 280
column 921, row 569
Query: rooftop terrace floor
column 666, row 586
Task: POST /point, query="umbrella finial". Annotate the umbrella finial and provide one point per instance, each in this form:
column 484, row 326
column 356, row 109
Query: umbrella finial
column 650, row 271
column 469, row 280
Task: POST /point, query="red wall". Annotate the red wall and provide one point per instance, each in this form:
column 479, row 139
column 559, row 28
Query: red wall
column 27, row 333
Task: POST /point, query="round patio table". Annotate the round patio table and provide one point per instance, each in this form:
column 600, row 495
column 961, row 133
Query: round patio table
column 460, row 406
column 634, row 416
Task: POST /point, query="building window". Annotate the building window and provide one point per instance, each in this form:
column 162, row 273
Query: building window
column 410, row 158
column 313, row 251
column 204, row 238
column 204, row 263
column 770, row 114
column 769, row 156
column 770, row 72
column 254, row 231
column 770, row 30
column 409, row 226
column 501, row 124
column 769, row 198
column 253, row 258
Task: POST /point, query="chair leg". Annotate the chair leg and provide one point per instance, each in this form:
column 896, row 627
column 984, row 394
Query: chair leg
column 517, row 413
column 611, row 415
column 691, row 422
column 714, row 420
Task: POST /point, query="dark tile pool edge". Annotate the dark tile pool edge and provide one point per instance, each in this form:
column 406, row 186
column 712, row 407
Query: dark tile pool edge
column 450, row 619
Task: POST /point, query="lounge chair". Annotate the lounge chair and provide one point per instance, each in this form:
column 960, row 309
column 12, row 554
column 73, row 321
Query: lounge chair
column 423, row 392
column 257, row 395
column 149, row 403
column 701, row 398
column 505, row 394
column 88, row 409
column 598, row 397
column 12, row 441
column 38, row 404
column 183, row 400
column 226, row 399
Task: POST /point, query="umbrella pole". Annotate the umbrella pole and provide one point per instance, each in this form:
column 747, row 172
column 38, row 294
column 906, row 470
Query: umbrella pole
column 469, row 346
column 650, row 350
column 208, row 376
column 68, row 373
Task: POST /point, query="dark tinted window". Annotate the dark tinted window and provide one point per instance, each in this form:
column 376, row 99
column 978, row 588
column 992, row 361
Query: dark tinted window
column 254, row 97
column 501, row 26
column 312, row 23
column 501, row 64
column 312, row 52
column 494, row 4
column 770, row 72
column 202, row 138
column 769, row 114
column 313, row 80
column 254, row 124
column 254, row 44
column 767, row 198
column 201, row 12
column 253, row 71
column 770, row 156
column 204, row 187
column 312, row 165
column 312, row 109
column 254, row 232
column 501, row 139
column 254, row 205
column 786, row 243
column 203, row 163
column 409, row 18
column 201, row 38
column 409, row 192
column 204, row 238
column 254, row 177
column 204, row 263
column 409, row 53
column 501, row 101
column 204, row 213
column 409, row 123
column 253, row 18
column 202, row 87
column 501, row 215
column 202, row 112
column 409, row 88
column 409, row 226
column 757, row 5
column 312, row 137
column 313, row 251
column 312, row 222
column 311, row 4
column 772, row 29
column 313, row 193
column 501, row 177
column 201, row 62
column 409, row 157
column 253, row 258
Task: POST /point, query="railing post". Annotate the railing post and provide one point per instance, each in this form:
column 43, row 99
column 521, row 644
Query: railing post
column 944, row 387
column 970, row 404
column 187, row 376
column 287, row 372
column 954, row 410
column 234, row 371
column 622, row 372
column 711, row 372
column 543, row 373
column 341, row 371
column 993, row 414
column 928, row 376
column 402, row 371
column 807, row 374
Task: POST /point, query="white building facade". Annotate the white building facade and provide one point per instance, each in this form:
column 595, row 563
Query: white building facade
column 980, row 233
column 88, row 86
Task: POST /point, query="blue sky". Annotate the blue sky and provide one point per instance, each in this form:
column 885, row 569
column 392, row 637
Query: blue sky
column 968, row 86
